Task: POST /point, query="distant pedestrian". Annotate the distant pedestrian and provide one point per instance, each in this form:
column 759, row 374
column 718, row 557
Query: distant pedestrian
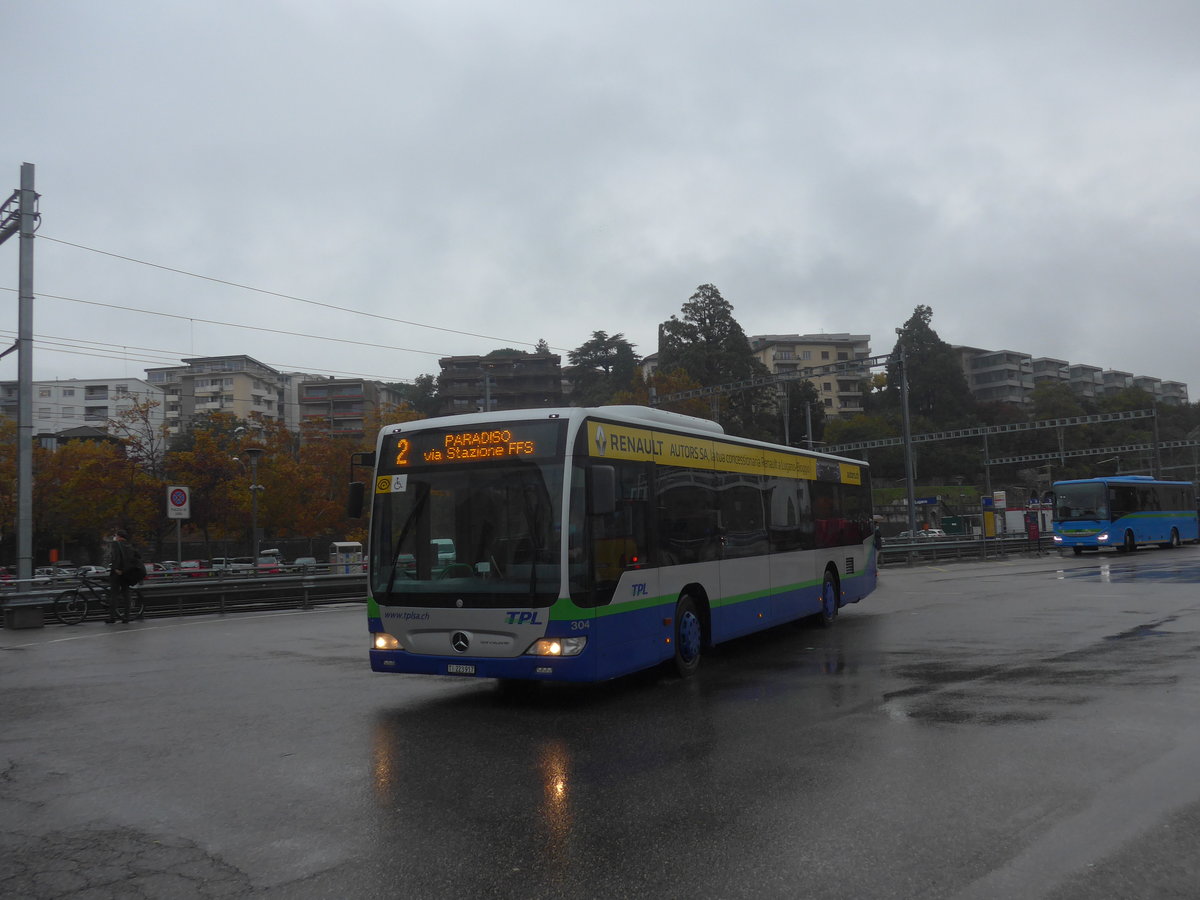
column 122, row 560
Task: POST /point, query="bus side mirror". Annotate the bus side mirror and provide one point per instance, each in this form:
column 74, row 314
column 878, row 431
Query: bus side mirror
column 604, row 490
column 354, row 502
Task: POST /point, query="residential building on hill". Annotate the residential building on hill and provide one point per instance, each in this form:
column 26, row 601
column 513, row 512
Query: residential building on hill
column 839, row 392
column 1009, row 376
column 501, row 380
column 343, row 407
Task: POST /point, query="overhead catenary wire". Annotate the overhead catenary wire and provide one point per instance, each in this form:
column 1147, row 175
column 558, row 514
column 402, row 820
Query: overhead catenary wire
column 202, row 321
column 171, row 358
column 283, row 296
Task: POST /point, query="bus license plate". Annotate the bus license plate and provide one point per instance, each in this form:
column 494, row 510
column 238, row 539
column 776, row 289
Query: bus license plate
column 459, row 669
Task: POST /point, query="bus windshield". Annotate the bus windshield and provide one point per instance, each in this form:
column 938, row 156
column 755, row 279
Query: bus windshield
column 1076, row 502
column 469, row 535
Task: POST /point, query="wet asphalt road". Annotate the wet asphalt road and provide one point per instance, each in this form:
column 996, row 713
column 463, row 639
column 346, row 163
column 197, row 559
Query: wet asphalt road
column 1025, row 728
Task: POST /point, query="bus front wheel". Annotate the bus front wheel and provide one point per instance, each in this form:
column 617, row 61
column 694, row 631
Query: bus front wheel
column 689, row 637
column 1130, row 544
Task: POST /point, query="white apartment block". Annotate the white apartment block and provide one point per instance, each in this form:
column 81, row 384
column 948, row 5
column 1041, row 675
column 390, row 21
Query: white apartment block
column 82, row 402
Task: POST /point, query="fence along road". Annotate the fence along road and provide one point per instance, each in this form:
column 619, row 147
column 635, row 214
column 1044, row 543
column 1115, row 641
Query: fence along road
column 180, row 596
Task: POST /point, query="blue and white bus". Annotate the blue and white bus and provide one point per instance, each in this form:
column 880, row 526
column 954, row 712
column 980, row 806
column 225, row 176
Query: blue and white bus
column 584, row 544
column 1124, row 512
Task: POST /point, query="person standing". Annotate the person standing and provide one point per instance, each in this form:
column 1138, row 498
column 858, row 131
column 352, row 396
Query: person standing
column 121, row 559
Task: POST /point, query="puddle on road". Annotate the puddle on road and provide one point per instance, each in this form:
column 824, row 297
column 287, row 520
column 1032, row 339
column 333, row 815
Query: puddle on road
column 949, row 692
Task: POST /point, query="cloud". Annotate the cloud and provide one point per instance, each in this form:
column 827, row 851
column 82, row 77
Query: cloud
column 550, row 169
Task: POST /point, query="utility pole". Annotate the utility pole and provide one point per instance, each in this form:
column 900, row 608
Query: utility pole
column 19, row 214
column 909, row 471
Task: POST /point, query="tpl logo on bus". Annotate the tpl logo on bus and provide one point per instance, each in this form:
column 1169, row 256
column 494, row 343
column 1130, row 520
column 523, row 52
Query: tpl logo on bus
column 522, row 618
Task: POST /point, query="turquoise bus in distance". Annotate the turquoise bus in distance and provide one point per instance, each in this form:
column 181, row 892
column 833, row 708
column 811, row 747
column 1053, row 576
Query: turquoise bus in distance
column 1123, row 512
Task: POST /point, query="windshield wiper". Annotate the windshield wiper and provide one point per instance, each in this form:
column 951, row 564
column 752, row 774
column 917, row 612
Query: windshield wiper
column 530, row 508
column 408, row 523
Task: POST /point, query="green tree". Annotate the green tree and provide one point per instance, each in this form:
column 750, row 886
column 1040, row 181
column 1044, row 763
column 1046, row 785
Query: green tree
column 1055, row 400
column 603, row 366
column 937, row 388
column 804, row 406
column 421, row 395
column 710, row 346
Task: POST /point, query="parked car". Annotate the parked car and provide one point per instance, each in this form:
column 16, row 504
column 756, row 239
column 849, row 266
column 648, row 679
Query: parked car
column 269, row 564
column 93, row 571
column 925, row 534
column 44, row 575
column 157, row 570
column 232, row 565
column 304, row 564
column 193, row 568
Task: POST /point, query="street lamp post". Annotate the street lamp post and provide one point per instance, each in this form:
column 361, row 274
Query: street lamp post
column 254, row 453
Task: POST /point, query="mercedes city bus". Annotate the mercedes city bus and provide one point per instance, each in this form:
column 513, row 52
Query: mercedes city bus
column 584, row 544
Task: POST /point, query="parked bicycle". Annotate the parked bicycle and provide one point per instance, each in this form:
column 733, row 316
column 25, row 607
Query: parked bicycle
column 72, row 607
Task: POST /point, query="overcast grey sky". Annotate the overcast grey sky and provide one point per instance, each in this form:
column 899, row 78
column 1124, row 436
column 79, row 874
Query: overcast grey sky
column 474, row 175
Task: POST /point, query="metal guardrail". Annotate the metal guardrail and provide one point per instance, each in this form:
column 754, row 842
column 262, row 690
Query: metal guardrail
column 896, row 552
column 32, row 608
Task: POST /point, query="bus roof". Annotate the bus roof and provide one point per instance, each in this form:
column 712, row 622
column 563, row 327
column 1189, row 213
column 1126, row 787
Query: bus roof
column 646, row 416
column 1118, row 479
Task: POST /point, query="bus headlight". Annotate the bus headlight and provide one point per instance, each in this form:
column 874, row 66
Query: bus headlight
column 384, row 641
column 1058, row 539
column 1102, row 537
column 566, row 646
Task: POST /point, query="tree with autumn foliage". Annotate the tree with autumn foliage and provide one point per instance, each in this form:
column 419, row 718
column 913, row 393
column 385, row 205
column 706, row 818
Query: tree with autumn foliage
column 211, row 468
column 85, row 488
column 665, row 384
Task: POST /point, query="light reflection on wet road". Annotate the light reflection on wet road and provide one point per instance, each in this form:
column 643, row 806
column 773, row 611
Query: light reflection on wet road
column 1137, row 569
column 1017, row 728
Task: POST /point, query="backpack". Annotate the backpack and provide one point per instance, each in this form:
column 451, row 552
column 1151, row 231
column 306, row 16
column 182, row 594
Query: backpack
column 134, row 570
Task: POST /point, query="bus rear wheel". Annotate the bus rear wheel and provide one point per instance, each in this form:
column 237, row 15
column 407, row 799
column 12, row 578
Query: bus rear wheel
column 689, row 637
column 1174, row 542
column 829, row 600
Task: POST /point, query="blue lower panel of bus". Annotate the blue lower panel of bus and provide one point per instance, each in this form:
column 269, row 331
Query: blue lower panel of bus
column 578, row 668
column 623, row 641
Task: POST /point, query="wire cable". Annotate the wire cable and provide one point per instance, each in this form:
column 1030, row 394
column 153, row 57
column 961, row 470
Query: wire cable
column 248, row 287
column 56, row 344
column 155, row 312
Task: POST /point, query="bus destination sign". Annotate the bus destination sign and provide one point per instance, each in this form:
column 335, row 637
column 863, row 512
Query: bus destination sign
column 433, row 448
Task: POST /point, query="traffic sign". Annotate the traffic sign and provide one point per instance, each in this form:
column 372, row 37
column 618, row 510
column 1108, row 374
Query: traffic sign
column 179, row 502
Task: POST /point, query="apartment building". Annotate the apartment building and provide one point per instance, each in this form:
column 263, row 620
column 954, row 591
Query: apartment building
column 997, row 376
column 343, row 407
column 76, row 403
column 239, row 385
column 1009, row 376
column 501, row 380
column 840, row 393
